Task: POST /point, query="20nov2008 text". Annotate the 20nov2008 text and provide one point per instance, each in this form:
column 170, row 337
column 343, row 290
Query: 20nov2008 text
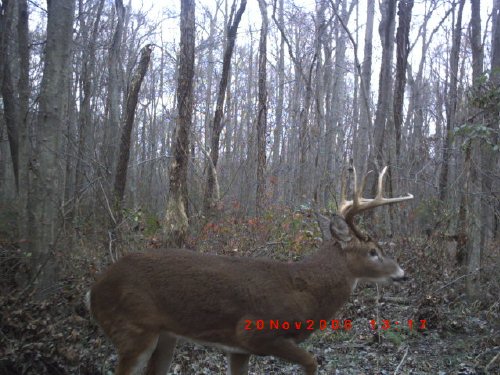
column 334, row 324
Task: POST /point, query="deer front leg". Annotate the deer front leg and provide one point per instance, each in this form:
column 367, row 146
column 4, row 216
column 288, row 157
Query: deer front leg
column 285, row 349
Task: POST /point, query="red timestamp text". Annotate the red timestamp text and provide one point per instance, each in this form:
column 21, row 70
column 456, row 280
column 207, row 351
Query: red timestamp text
column 308, row 325
column 410, row 324
column 334, row 324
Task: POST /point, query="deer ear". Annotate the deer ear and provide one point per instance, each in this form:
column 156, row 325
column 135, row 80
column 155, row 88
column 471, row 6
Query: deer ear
column 339, row 229
column 324, row 224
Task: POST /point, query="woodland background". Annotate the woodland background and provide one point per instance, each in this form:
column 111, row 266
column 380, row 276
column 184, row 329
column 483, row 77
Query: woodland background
column 118, row 132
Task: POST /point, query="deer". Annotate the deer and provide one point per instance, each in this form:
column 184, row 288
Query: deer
column 146, row 301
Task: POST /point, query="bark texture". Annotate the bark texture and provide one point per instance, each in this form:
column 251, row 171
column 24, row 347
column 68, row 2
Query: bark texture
column 176, row 215
column 262, row 113
column 386, row 31
column 217, row 124
column 451, row 104
column 115, row 72
column 402, row 49
column 44, row 201
column 131, row 104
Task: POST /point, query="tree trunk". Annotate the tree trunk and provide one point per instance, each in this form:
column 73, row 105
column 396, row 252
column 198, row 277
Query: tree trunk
column 323, row 79
column 14, row 47
column 278, row 128
column 386, row 31
column 489, row 159
column 45, row 198
column 9, row 89
column 24, row 120
column 209, row 75
column 176, row 219
column 115, row 71
column 85, row 115
column 360, row 154
column 262, row 113
column 451, row 103
column 217, row 125
column 131, row 104
column 470, row 226
column 402, row 50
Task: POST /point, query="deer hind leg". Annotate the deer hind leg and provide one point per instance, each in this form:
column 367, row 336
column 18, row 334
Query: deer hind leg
column 237, row 363
column 160, row 360
column 134, row 351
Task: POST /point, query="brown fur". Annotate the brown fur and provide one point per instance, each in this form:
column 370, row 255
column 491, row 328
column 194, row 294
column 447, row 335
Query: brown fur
column 207, row 298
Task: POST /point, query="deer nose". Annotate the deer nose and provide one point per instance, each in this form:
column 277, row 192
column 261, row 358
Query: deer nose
column 399, row 275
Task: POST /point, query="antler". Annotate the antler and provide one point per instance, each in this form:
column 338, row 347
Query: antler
column 350, row 208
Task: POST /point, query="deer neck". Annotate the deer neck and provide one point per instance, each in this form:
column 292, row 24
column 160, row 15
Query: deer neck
column 325, row 275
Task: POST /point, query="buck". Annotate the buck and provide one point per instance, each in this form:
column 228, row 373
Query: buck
column 146, row 301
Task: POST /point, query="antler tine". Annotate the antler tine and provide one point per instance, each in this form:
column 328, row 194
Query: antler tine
column 379, row 199
column 343, row 187
column 347, row 206
column 381, row 183
column 348, row 209
column 356, row 193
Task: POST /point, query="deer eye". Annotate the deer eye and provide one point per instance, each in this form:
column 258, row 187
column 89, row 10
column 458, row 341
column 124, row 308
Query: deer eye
column 373, row 253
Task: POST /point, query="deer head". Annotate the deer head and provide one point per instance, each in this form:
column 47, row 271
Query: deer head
column 146, row 301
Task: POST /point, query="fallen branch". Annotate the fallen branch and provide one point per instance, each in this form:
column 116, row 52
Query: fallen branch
column 495, row 358
column 457, row 279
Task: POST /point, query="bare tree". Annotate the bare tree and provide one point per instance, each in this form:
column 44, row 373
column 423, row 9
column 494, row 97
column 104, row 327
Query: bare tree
column 300, row 106
column 491, row 203
column 24, row 144
column 470, row 226
column 361, row 144
column 14, row 83
column 115, row 71
column 87, row 84
column 44, row 200
column 278, row 129
column 9, row 89
column 217, row 125
column 131, row 104
column 176, row 219
column 386, row 32
column 418, row 86
column 451, row 104
column 402, row 50
column 262, row 112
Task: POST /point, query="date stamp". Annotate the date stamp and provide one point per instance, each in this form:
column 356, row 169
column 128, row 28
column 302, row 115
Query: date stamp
column 334, row 325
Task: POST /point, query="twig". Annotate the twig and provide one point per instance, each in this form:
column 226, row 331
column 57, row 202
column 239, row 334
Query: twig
column 395, row 300
column 161, row 157
column 107, row 203
column 357, row 63
column 259, row 249
column 377, row 313
column 457, row 279
column 110, row 246
column 34, row 278
column 211, row 166
column 402, row 360
column 495, row 358
column 289, row 46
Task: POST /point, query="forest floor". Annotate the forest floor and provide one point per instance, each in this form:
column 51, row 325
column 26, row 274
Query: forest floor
column 57, row 336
